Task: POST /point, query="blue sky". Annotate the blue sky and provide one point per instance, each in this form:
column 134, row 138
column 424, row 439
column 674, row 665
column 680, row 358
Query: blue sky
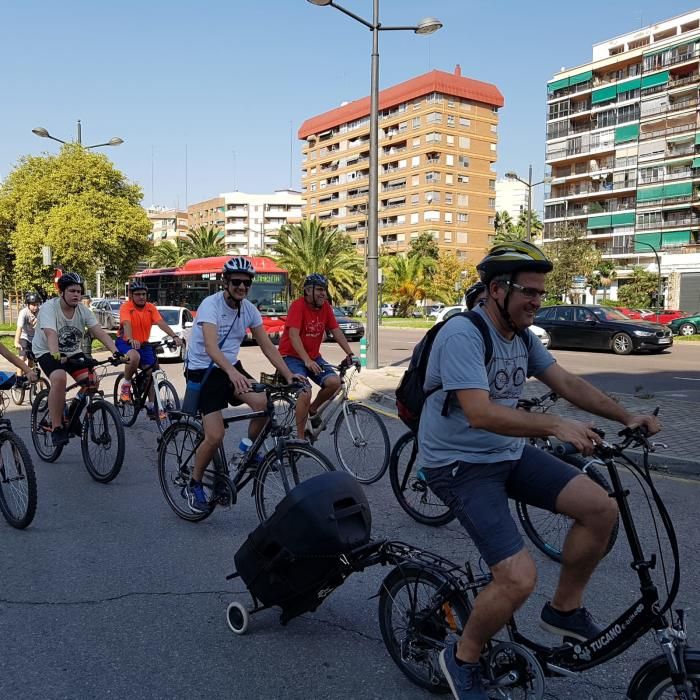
column 227, row 80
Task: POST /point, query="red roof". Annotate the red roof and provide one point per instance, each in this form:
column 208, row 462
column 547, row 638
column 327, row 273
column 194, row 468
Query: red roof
column 435, row 81
column 216, row 264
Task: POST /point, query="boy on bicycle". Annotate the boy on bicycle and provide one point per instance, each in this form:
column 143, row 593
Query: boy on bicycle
column 26, row 324
column 308, row 319
column 136, row 318
column 60, row 330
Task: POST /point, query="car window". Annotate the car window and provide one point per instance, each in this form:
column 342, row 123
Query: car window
column 170, row 316
column 451, row 312
column 584, row 315
column 115, row 305
column 564, row 313
column 610, row 314
column 187, row 316
column 545, row 314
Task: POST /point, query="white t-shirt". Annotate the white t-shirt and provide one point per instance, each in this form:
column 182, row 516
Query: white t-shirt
column 214, row 309
column 70, row 331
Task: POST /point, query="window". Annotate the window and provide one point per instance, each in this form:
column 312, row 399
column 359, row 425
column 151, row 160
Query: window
column 415, row 180
column 450, row 102
column 415, row 161
column 463, row 200
column 313, row 186
column 434, row 118
column 415, row 198
column 462, row 237
column 492, row 203
column 449, row 159
column 416, row 122
column 416, row 142
column 464, row 179
column 448, row 237
column 463, row 121
column 450, row 140
column 448, row 178
column 403, row 126
column 494, row 128
column 414, row 218
column 433, row 137
column 448, row 217
column 492, row 220
column 463, row 217
column 464, row 162
column 431, row 215
column 432, row 176
column 493, row 146
column 464, row 142
column 448, row 197
column 450, row 120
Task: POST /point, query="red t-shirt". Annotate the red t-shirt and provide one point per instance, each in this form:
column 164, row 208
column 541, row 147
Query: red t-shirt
column 312, row 324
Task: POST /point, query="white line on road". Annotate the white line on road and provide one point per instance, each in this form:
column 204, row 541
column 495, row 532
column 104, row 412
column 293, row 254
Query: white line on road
column 688, row 379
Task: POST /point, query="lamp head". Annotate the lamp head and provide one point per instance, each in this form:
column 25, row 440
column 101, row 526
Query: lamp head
column 320, row 3
column 115, row 141
column 40, row 131
column 428, row 25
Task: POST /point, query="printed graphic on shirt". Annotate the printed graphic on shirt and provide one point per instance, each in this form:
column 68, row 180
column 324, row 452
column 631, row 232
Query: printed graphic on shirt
column 69, row 339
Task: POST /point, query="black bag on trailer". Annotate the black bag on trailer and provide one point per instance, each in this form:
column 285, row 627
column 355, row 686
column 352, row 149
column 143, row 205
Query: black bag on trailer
column 295, row 559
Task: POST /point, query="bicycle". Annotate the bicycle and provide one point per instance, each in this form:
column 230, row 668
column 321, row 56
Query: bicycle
column 95, row 431
column 547, row 531
column 425, row 601
column 166, row 398
column 18, row 489
column 360, row 438
column 23, row 385
column 287, row 464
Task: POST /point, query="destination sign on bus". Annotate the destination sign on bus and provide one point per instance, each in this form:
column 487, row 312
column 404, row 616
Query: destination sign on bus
column 260, row 277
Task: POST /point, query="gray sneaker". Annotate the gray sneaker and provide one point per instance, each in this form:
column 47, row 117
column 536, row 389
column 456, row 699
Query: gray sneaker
column 579, row 625
column 464, row 680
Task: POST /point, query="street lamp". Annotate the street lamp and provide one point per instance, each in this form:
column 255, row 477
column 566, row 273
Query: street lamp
column 659, row 290
column 44, row 134
column 529, row 184
column 426, row 26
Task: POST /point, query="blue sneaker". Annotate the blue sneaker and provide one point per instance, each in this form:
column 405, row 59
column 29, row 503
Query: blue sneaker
column 197, row 498
column 464, row 680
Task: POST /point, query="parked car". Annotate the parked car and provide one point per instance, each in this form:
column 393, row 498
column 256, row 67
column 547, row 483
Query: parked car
column 686, row 325
column 632, row 313
column 181, row 321
column 601, row 328
column 107, row 313
column 664, row 317
column 352, row 330
column 386, row 310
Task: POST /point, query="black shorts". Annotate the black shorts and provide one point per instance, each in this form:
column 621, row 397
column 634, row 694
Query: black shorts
column 25, row 347
column 217, row 392
column 75, row 364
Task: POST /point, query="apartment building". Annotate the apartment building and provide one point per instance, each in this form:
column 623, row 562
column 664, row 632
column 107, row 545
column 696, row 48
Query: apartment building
column 511, row 197
column 166, row 224
column 209, row 213
column 438, row 134
column 623, row 148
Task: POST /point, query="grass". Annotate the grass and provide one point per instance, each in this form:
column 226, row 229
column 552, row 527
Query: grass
column 687, row 339
column 393, row 322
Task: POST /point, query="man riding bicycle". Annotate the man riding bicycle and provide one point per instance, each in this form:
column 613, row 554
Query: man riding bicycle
column 26, row 325
column 212, row 358
column 475, row 455
column 308, row 319
column 60, row 329
column 136, row 318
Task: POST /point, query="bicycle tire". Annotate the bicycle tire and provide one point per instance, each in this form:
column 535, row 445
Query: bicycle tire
column 412, row 492
column 41, row 429
column 97, row 432
column 176, row 446
column 366, row 456
column 17, row 393
column 36, row 387
column 169, row 400
column 419, row 614
column 547, row 531
column 659, row 681
column 18, row 490
column 301, row 461
column 128, row 410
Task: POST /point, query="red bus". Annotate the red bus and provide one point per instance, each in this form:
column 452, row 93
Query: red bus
column 200, row 277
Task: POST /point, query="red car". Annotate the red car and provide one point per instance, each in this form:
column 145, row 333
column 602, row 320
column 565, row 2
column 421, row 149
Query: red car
column 665, row 317
column 630, row 313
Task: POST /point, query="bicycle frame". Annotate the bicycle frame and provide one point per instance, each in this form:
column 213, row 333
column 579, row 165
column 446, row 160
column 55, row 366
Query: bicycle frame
column 337, row 401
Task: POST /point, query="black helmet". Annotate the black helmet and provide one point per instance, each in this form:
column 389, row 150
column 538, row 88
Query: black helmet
column 509, row 258
column 138, row 285
column 32, row 298
column 473, row 293
column 316, row 280
column 68, row 279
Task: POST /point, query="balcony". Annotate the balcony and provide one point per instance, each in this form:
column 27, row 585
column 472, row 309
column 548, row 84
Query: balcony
column 396, row 186
column 668, row 223
column 685, row 80
column 646, row 135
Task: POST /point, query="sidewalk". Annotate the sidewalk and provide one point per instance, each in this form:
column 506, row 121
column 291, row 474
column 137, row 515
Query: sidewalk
column 682, row 457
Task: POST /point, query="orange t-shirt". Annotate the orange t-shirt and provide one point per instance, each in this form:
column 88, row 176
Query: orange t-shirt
column 141, row 320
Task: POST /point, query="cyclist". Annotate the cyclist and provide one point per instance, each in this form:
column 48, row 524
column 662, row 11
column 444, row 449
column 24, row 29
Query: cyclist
column 475, row 295
column 26, row 323
column 18, row 362
column 136, row 317
column 308, row 319
column 60, row 330
column 474, row 455
column 220, row 326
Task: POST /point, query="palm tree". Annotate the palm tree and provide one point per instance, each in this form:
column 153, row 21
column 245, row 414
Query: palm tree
column 170, row 254
column 310, row 246
column 205, row 242
column 407, row 280
column 504, row 228
column 536, row 226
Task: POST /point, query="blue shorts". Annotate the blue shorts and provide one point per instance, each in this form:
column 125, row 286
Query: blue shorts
column 148, row 357
column 297, row 366
column 478, row 495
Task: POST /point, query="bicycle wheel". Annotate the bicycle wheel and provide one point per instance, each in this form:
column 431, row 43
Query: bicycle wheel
column 169, row 400
column 102, row 441
column 17, row 481
column 419, row 614
column 128, row 410
column 175, row 464
column 547, row 531
column 362, row 443
column 300, row 462
column 658, row 682
column 17, row 392
column 41, row 429
column 411, row 489
column 37, row 387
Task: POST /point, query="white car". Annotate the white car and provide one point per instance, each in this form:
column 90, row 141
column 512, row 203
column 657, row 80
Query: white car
column 449, row 311
column 181, row 320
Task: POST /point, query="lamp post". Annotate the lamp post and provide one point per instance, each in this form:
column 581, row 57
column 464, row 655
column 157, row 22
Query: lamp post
column 529, row 184
column 425, row 26
column 659, row 290
column 44, row 134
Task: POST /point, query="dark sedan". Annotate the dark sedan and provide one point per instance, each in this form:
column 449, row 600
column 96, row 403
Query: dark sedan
column 601, row 328
column 352, row 330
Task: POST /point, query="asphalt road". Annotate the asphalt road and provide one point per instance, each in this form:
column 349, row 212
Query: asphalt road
column 109, row 595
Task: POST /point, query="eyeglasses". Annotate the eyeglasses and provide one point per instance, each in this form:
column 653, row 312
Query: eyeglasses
column 529, row 292
column 139, row 294
column 237, row 282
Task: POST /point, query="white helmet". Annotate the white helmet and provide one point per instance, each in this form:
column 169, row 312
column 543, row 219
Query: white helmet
column 239, row 264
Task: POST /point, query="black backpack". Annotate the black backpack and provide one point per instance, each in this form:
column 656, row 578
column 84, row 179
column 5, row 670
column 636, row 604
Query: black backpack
column 410, row 394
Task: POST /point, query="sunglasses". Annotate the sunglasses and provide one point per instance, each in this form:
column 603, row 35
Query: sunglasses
column 528, row 292
column 139, row 294
column 237, row 282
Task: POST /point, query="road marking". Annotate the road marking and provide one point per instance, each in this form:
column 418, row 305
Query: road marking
column 687, row 379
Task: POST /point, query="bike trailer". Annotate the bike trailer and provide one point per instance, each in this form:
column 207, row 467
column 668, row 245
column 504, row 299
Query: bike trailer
column 297, row 557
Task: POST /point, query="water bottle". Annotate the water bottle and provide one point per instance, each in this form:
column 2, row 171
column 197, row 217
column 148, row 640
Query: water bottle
column 243, row 446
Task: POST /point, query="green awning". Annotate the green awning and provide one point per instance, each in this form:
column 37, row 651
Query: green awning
column 581, row 77
column 653, row 239
column 630, row 132
column 622, row 219
column 695, row 163
column 697, row 139
column 655, row 79
column 629, row 85
column 678, row 189
column 675, row 238
column 599, row 221
column 604, row 94
column 687, row 42
column 557, row 85
column 650, row 193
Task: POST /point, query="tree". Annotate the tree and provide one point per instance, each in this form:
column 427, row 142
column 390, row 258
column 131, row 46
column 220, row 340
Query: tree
column 310, row 246
column 638, row 291
column 573, row 256
column 424, row 246
column 205, row 242
column 450, row 279
column 536, row 225
column 81, row 206
column 170, row 254
column 602, row 278
column 504, row 228
column 406, row 280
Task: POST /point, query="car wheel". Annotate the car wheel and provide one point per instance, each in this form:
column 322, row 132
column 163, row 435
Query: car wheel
column 687, row 329
column 622, row 344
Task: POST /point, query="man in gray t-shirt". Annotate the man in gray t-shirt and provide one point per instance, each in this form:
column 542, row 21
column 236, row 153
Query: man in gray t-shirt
column 477, row 455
